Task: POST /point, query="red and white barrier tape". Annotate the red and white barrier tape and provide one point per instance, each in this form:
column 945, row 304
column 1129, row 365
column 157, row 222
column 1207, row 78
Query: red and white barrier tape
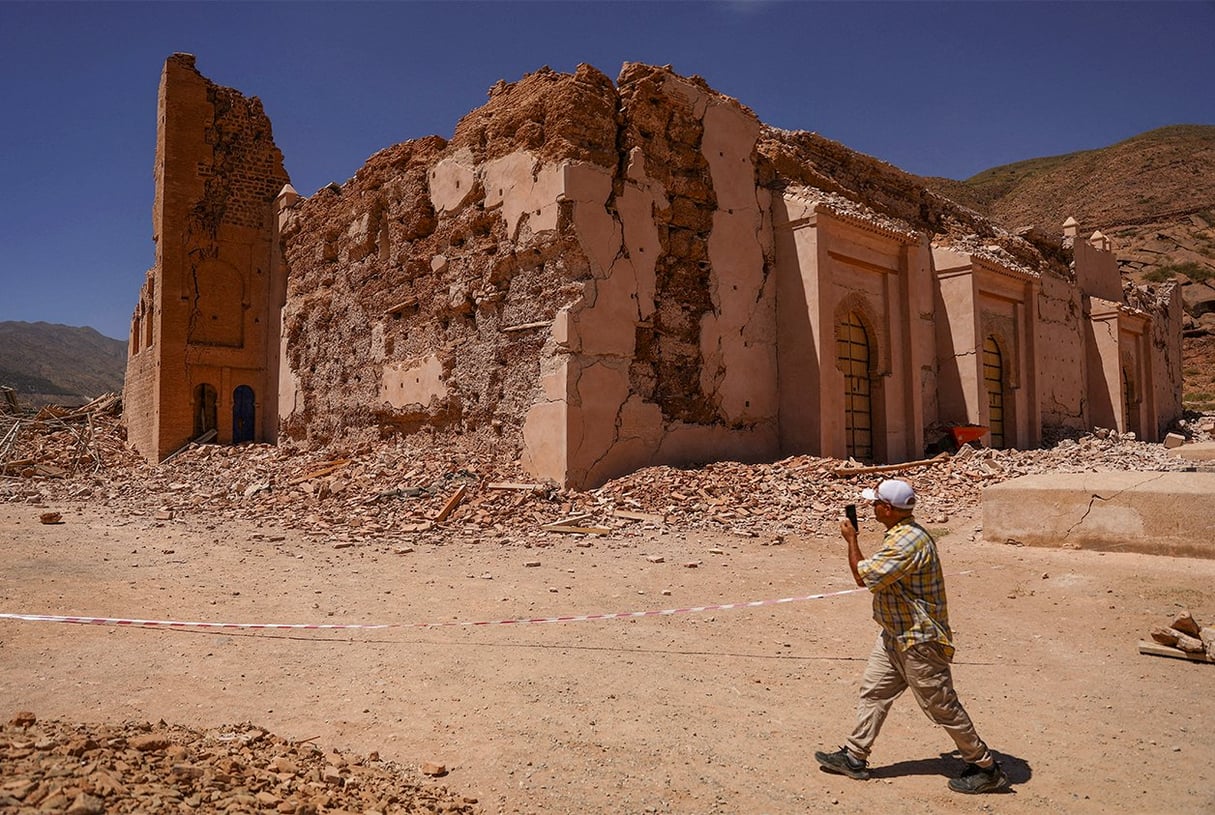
column 575, row 618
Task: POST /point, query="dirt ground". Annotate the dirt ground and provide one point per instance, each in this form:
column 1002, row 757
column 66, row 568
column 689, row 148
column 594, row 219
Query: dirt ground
column 710, row 712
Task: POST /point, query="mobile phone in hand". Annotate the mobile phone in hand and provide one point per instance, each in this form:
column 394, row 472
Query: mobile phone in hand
column 850, row 512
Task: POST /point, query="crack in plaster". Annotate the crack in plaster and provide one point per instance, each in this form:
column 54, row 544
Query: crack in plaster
column 1094, row 498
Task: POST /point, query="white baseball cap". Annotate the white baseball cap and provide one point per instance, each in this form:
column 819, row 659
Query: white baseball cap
column 898, row 494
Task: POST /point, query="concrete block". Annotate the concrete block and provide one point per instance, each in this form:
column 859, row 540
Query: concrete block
column 1172, row 440
column 1199, row 451
column 1154, row 513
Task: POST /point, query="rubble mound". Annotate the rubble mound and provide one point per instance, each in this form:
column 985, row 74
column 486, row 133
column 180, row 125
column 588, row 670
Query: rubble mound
column 57, row 766
column 433, row 488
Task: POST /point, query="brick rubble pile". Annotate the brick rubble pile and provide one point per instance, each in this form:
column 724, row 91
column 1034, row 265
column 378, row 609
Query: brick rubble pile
column 428, row 489
column 54, row 766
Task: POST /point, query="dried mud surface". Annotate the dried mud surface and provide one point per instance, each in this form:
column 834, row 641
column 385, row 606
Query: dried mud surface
column 710, row 712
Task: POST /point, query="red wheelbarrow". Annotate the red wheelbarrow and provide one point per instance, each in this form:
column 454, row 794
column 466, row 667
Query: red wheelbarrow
column 966, row 433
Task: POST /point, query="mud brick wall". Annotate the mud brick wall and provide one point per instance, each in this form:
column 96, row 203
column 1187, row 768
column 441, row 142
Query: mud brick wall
column 558, row 251
column 408, row 284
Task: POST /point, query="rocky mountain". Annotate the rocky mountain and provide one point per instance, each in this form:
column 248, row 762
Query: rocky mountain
column 1153, row 195
column 47, row 363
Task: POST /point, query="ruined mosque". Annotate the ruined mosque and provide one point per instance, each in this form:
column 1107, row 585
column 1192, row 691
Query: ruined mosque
column 599, row 276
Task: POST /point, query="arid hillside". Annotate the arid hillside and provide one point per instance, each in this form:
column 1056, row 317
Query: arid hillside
column 58, row 364
column 1153, row 194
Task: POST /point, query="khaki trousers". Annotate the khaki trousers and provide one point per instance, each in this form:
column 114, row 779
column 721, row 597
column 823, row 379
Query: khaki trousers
column 925, row 670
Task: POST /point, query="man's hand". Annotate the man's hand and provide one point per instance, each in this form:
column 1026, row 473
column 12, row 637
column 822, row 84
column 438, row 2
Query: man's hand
column 854, row 550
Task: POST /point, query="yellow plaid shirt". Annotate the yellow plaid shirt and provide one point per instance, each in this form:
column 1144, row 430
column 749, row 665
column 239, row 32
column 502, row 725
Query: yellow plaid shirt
column 908, row 588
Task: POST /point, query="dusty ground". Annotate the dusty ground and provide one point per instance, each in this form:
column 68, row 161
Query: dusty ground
column 712, row 712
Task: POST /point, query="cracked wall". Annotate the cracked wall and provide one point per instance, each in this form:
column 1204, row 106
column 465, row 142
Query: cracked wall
column 1154, row 513
column 1062, row 357
column 593, row 304
column 676, row 336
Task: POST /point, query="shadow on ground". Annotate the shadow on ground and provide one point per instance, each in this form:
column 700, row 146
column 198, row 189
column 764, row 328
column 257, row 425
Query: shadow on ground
column 949, row 765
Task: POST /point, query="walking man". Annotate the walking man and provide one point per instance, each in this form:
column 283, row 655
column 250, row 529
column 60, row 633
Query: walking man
column 915, row 645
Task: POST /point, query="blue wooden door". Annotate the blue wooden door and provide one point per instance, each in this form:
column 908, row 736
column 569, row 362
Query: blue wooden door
column 242, row 414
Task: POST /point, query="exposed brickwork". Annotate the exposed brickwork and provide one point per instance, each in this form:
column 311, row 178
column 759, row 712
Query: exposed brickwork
column 377, row 242
column 667, row 368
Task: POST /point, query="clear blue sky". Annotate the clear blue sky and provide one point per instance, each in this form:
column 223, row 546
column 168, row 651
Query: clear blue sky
column 935, row 88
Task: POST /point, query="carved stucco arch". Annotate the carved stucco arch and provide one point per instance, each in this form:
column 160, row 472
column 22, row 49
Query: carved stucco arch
column 855, row 302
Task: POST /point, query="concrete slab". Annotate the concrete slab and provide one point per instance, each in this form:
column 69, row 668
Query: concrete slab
column 1154, row 513
column 1199, row 451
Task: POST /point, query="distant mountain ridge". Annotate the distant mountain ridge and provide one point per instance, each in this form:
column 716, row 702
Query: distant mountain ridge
column 1152, row 194
column 49, row 363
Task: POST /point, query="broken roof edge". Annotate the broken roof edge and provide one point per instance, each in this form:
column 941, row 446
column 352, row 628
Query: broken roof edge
column 987, row 258
column 854, row 212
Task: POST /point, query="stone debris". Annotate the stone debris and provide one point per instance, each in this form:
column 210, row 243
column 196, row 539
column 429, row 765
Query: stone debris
column 403, row 495
column 1183, row 638
column 56, row 766
column 58, row 442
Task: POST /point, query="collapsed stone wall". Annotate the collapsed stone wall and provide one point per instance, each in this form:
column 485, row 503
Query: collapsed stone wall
column 416, row 275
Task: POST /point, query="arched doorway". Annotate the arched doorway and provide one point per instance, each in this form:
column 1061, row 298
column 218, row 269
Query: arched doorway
column 853, row 351
column 1130, row 402
column 993, row 384
column 242, row 414
column 206, row 416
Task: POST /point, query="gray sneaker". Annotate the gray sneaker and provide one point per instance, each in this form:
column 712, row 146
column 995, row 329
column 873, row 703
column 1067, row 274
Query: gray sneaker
column 842, row 762
column 975, row 779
